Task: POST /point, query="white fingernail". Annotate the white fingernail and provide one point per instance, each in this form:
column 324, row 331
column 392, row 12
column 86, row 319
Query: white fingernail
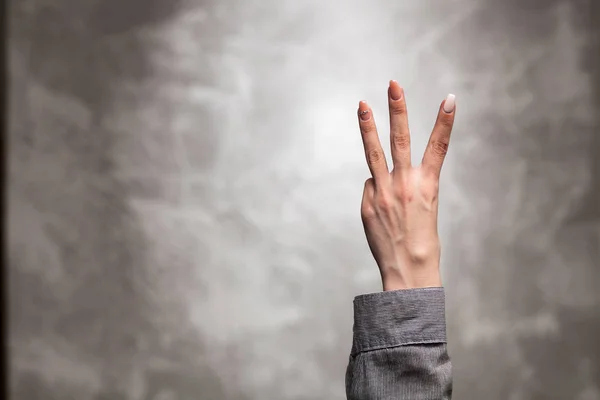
column 449, row 103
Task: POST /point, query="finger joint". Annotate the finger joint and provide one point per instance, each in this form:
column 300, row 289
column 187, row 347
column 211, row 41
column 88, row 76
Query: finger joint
column 446, row 121
column 401, row 142
column 374, row 156
column 367, row 212
column 439, row 148
column 398, row 108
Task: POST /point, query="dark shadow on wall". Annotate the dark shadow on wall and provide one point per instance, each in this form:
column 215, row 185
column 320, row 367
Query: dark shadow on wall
column 561, row 363
column 574, row 359
column 570, row 363
column 590, row 207
column 3, row 191
column 565, row 365
column 92, row 314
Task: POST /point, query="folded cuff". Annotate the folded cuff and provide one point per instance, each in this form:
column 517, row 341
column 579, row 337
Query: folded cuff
column 398, row 318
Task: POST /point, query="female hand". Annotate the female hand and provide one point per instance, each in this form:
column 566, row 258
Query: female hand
column 399, row 209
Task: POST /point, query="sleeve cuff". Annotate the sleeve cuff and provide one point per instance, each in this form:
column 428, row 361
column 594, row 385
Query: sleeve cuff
column 399, row 318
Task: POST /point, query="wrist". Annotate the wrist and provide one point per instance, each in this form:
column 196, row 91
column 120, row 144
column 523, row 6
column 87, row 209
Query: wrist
column 416, row 279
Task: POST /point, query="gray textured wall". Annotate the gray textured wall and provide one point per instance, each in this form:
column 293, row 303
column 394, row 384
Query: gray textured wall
column 185, row 178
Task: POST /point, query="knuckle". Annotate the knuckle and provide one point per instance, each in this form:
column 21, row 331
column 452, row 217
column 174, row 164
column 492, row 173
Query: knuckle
column 403, row 194
column 433, row 186
column 446, row 121
column 398, row 108
column 430, row 191
column 367, row 127
column 374, row 156
column 430, row 197
column 430, row 174
column 367, row 212
column 439, row 148
column 384, row 202
column 430, row 185
column 401, row 142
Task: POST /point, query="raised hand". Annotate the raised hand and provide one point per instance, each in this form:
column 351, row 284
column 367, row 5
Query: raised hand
column 399, row 208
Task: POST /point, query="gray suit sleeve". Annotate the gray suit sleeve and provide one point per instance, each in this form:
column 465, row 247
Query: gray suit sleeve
column 399, row 347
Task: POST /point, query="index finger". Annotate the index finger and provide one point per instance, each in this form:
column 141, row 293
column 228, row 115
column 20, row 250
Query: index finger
column 373, row 150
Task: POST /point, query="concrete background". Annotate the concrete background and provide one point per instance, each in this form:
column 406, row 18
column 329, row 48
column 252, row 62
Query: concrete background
column 185, row 180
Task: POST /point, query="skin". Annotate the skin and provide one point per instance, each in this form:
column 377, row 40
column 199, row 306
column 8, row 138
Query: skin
column 399, row 209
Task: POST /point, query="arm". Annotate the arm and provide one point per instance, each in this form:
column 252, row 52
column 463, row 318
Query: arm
column 399, row 346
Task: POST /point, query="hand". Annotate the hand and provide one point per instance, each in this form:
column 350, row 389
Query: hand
column 399, row 209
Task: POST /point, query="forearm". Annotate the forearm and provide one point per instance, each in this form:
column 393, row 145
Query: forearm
column 399, row 347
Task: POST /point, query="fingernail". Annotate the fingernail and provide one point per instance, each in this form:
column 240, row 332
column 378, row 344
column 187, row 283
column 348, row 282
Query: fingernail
column 395, row 90
column 449, row 103
column 363, row 111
